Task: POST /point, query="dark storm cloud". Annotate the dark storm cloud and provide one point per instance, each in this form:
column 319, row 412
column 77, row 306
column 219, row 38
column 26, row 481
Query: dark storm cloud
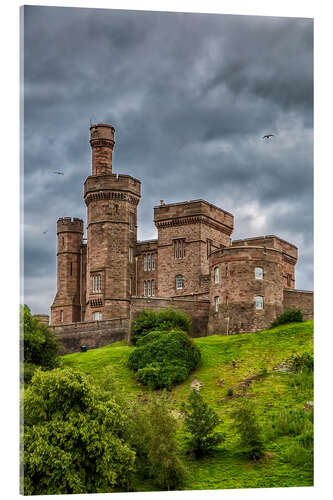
column 190, row 96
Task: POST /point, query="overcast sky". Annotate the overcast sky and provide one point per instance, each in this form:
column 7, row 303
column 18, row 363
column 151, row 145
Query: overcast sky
column 190, row 97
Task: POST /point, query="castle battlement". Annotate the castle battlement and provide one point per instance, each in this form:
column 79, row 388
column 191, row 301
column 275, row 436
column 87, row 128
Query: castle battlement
column 112, row 182
column 69, row 224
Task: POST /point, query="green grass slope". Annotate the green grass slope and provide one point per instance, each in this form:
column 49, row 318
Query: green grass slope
column 227, row 362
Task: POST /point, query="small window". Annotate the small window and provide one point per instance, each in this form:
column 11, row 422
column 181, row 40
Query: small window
column 62, row 242
column 144, row 288
column 149, row 262
column 217, row 303
column 259, row 302
column 153, row 262
column 131, row 222
column 288, row 280
column 259, row 273
column 71, row 269
column 145, row 262
column 130, row 286
column 216, row 274
column 61, row 318
column 209, row 245
column 97, row 316
column 96, row 283
column 179, row 249
column 148, row 288
column 227, row 299
column 179, row 282
column 153, row 288
column 130, row 254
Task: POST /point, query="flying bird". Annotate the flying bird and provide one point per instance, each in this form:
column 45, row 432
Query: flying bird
column 267, row 136
column 58, row 172
column 44, row 232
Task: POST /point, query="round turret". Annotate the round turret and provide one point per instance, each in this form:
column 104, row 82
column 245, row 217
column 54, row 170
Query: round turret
column 101, row 142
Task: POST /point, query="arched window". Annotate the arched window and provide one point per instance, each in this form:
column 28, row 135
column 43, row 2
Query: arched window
column 216, row 275
column 179, row 282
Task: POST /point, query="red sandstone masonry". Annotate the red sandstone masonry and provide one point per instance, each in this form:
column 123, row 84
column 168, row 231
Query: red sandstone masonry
column 299, row 299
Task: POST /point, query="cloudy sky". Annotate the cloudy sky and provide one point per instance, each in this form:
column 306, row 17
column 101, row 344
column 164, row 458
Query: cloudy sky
column 190, row 97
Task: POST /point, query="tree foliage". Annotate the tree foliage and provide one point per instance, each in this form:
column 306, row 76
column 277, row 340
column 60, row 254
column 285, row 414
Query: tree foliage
column 164, row 358
column 159, row 320
column 40, row 345
column 152, row 434
column 73, row 437
column 246, row 422
column 199, row 424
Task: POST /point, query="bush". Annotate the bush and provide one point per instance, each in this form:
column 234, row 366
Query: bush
column 40, row 345
column 292, row 422
column 303, row 362
column 291, row 316
column 200, row 422
column 73, row 437
column 245, row 420
column 163, row 359
column 162, row 320
column 152, row 434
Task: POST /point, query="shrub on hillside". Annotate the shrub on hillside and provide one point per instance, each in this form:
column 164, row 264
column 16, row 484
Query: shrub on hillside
column 303, row 362
column 40, row 345
column 164, row 358
column 199, row 424
column 73, row 437
column 159, row 320
column 152, row 434
column 246, row 422
column 291, row 316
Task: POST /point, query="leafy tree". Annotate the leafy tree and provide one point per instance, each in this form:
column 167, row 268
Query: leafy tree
column 152, row 434
column 167, row 319
column 199, row 424
column 163, row 358
column 73, row 437
column 40, row 345
column 246, row 422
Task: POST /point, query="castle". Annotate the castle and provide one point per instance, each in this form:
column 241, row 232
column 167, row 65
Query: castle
column 193, row 265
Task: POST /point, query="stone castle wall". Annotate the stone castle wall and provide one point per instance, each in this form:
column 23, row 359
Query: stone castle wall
column 299, row 299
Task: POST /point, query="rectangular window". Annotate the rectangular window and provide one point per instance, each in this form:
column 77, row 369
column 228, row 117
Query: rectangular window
column 145, row 262
column 130, row 255
column 71, row 268
column 149, row 262
column 97, row 316
column 144, row 288
column 179, row 282
column 61, row 316
column 130, row 286
column 259, row 273
column 96, row 283
column 179, row 249
column 209, row 244
column 226, row 299
column 259, row 302
column 153, row 288
column 152, row 261
column 217, row 303
column 131, row 222
column 288, row 280
column 216, row 274
column 148, row 287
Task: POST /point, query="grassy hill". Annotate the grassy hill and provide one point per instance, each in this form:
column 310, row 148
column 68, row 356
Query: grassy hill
column 232, row 367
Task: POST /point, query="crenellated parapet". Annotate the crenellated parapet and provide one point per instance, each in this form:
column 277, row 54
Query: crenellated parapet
column 69, row 225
